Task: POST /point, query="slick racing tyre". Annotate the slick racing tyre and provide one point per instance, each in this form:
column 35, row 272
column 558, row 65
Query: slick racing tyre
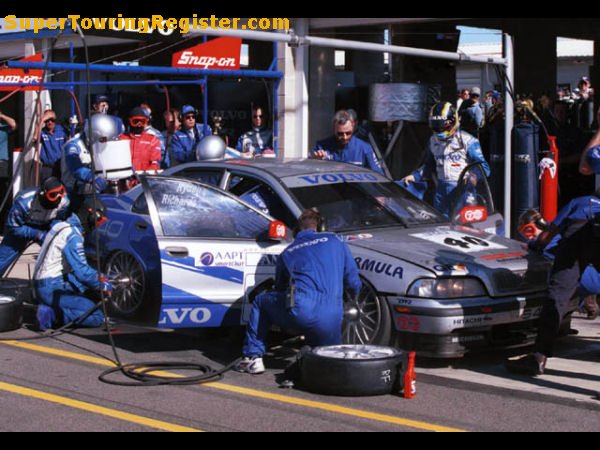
column 351, row 370
column 11, row 313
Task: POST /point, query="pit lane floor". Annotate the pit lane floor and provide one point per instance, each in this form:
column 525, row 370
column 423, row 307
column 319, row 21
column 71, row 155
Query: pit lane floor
column 52, row 385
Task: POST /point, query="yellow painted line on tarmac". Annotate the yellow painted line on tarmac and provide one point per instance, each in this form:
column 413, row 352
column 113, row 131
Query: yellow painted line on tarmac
column 90, row 407
column 329, row 407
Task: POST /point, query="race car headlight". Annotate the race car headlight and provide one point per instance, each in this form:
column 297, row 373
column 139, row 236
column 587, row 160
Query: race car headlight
column 442, row 288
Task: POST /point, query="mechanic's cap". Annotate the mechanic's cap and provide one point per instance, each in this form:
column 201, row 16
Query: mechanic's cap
column 476, row 91
column 101, row 98
column 593, row 158
column 496, row 95
column 188, row 109
column 138, row 111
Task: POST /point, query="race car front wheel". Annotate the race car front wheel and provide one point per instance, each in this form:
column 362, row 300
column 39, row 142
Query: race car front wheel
column 367, row 318
column 129, row 284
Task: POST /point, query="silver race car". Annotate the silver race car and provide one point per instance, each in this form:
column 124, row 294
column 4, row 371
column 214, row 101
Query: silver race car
column 440, row 287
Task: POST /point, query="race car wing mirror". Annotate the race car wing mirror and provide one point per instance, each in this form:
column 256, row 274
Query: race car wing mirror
column 473, row 214
column 277, row 231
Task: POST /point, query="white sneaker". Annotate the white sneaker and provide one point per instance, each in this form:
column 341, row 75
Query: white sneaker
column 252, row 366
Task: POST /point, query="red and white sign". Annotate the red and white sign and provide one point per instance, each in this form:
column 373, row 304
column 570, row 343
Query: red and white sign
column 472, row 214
column 22, row 75
column 277, row 231
column 221, row 53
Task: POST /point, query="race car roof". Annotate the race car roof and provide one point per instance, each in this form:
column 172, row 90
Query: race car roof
column 281, row 168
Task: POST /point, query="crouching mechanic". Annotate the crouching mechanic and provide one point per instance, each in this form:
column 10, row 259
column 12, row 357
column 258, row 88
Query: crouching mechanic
column 308, row 296
column 62, row 277
column 576, row 267
column 30, row 217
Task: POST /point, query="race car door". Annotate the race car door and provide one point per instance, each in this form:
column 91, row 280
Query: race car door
column 213, row 248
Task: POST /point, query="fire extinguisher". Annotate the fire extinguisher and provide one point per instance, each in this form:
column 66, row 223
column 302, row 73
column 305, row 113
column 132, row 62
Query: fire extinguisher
column 549, row 186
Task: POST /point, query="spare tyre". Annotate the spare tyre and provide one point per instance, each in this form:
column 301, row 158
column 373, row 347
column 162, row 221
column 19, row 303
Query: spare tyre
column 11, row 313
column 352, row 370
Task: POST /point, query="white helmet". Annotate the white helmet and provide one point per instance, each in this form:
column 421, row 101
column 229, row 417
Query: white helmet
column 210, row 148
column 104, row 128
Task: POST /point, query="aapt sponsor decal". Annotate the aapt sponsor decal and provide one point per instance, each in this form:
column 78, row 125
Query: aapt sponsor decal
column 222, row 259
column 221, row 53
column 372, row 265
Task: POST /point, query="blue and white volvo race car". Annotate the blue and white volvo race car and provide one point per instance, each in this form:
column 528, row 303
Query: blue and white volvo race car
column 191, row 255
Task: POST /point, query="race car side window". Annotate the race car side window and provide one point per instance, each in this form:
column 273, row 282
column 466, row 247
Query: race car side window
column 186, row 209
column 140, row 206
column 208, row 176
column 261, row 196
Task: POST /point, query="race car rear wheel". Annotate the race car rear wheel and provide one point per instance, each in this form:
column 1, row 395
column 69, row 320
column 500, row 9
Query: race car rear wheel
column 130, row 285
column 367, row 318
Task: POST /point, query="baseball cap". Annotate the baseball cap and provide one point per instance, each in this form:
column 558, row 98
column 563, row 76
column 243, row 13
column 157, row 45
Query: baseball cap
column 188, row 109
column 138, row 112
column 101, row 98
column 476, row 91
column 593, row 158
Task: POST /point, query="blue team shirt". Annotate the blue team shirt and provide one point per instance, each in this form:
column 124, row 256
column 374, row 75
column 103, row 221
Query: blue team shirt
column 52, row 145
column 356, row 151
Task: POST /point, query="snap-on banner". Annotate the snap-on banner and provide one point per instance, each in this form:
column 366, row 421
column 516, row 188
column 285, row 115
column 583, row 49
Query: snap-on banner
column 221, row 53
column 22, row 75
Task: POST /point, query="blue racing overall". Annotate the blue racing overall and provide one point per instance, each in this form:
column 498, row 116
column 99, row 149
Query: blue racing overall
column 308, row 296
column 62, row 275
column 27, row 221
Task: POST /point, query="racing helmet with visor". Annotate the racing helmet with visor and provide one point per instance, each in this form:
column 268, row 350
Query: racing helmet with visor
column 443, row 120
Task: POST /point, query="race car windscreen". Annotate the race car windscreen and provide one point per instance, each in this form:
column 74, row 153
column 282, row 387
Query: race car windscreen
column 355, row 206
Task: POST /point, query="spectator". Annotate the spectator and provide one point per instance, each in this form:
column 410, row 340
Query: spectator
column 259, row 138
column 471, row 114
column 184, row 142
column 344, row 146
column 172, row 124
column 54, row 137
column 570, row 141
column 463, row 95
column 145, row 147
column 584, row 101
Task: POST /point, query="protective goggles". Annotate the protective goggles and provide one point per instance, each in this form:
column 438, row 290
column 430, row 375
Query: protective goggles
column 55, row 195
column 529, row 231
column 138, row 121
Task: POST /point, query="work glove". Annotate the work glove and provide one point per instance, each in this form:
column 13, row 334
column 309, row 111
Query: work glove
column 39, row 238
column 100, row 184
column 105, row 285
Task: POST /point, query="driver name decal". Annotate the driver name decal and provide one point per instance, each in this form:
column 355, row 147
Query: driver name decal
column 459, row 241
